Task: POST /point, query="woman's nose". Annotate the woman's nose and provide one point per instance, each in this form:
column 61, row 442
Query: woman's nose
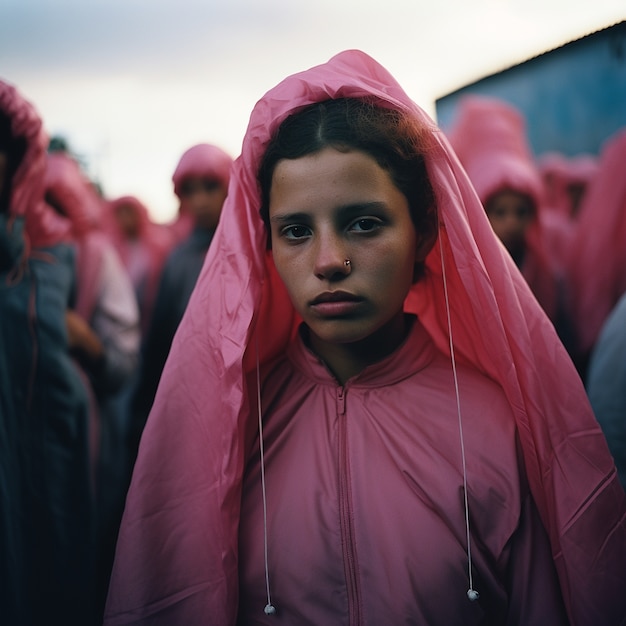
column 330, row 259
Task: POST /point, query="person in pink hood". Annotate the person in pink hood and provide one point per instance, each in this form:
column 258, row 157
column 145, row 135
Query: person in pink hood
column 356, row 424
column 489, row 137
column 201, row 183
column 142, row 246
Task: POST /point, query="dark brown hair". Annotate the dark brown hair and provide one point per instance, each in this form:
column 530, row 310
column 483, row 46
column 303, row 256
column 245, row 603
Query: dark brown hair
column 393, row 138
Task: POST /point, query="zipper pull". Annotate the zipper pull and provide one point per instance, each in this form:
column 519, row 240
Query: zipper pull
column 341, row 400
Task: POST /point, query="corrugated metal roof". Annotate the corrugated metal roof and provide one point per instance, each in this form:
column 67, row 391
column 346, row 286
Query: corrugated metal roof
column 617, row 26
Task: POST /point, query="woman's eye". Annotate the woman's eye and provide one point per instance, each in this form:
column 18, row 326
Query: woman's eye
column 365, row 224
column 295, row 232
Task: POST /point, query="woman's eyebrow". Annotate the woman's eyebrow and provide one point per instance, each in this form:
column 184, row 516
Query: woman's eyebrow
column 290, row 217
column 360, row 207
column 354, row 208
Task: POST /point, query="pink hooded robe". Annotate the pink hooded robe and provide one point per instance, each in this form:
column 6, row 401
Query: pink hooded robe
column 177, row 554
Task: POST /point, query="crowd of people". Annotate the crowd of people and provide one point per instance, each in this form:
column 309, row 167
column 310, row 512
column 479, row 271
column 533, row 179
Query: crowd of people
column 371, row 373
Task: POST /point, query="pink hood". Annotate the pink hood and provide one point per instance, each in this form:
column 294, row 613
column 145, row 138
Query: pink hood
column 177, row 553
column 70, row 190
column 43, row 226
column 489, row 137
column 202, row 160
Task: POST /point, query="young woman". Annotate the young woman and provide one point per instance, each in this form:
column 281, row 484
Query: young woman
column 355, row 425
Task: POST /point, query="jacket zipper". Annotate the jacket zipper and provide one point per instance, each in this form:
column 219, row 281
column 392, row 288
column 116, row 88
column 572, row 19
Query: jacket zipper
column 345, row 515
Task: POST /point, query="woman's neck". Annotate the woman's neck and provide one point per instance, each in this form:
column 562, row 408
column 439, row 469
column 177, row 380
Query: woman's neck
column 346, row 360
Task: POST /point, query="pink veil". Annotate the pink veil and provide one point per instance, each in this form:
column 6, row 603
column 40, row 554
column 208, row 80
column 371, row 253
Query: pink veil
column 177, row 552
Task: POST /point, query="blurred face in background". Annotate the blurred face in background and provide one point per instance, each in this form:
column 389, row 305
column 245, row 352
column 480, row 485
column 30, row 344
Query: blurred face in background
column 510, row 214
column 128, row 221
column 203, row 199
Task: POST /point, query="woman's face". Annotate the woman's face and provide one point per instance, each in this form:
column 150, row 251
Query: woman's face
column 329, row 207
column 510, row 214
column 203, row 198
column 128, row 221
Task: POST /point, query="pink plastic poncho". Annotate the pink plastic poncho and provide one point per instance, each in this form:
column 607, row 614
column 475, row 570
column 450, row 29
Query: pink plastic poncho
column 489, row 137
column 177, row 554
column 597, row 261
column 43, row 226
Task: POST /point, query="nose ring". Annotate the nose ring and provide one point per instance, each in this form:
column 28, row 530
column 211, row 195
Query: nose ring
column 348, row 264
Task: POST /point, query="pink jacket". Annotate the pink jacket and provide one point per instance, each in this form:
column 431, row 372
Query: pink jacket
column 386, row 543
column 177, row 559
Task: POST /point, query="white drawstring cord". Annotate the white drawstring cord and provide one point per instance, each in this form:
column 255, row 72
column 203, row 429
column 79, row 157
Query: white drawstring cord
column 270, row 609
column 472, row 594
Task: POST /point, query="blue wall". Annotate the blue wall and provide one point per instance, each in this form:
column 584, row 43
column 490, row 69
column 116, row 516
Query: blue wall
column 573, row 97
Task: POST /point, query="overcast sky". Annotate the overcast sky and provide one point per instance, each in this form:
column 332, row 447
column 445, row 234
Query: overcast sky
column 133, row 83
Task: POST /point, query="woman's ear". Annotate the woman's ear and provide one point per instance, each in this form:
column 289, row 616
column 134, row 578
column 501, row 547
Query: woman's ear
column 426, row 238
column 425, row 243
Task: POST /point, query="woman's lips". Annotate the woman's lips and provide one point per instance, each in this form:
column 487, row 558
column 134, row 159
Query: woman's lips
column 335, row 304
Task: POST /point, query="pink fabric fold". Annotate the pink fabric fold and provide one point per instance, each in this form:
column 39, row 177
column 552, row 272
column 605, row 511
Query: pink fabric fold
column 597, row 260
column 177, row 552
